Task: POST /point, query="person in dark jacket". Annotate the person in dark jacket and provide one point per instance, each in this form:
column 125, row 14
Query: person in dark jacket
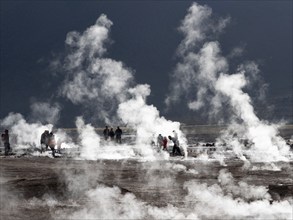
column 5, row 140
column 52, row 143
column 175, row 146
column 165, row 142
column 118, row 134
column 111, row 134
column 106, row 133
column 44, row 140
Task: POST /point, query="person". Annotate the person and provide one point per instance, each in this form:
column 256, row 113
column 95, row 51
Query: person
column 44, row 140
column 111, row 134
column 52, row 142
column 5, row 139
column 106, row 133
column 175, row 146
column 59, row 146
column 160, row 141
column 165, row 142
column 175, row 135
column 118, row 134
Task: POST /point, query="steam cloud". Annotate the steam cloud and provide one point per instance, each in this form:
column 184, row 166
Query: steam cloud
column 145, row 118
column 205, row 70
column 226, row 199
column 92, row 80
column 45, row 113
column 106, row 85
column 26, row 135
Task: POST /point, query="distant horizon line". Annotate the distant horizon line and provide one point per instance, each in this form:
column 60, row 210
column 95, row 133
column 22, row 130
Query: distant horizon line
column 286, row 126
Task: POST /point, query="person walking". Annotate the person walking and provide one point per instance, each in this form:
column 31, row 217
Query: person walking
column 44, row 140
column 176, row 147
column 165, row 142
column 52, row 143
column 118, row 133
column 159, row 141
column 111, row 134
column 106, row 133
column 5, row 140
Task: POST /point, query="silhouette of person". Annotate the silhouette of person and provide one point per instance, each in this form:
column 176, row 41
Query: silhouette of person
column 52, row 143
column 176, row 147
column 44, row 140
column 159, row 141
column 165, row 142
column 106, row 133
column 111, row 134
column 118, row 133
column 5, row 139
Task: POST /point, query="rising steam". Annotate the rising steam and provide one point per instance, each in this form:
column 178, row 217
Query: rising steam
column 45, row 112
column 225, row 199
column 93, row 81
column 26, row 135
column 106, row 84
column 204, row 69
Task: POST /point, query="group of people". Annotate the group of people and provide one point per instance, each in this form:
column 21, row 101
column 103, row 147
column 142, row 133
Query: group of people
column 110, row 134
column 48, row 140
column 163, row 141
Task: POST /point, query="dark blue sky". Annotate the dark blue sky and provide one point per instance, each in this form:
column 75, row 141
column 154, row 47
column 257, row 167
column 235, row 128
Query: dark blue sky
column 145, row 38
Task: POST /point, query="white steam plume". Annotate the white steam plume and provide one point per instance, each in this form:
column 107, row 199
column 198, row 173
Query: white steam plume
column 93, row 81
column 89, row 140
column 138, row 115
column 229, row 200
column 195, row 27
column 266, row 144
column 204, row 69
column 145, row 119
column 91, row 42
column 107, row 85
column 23, row 135
column 45, row 113
column 91, row 147
column 225, row 199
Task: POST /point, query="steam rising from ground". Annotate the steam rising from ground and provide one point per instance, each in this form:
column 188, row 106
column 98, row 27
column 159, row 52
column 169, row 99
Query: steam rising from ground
column 146, row 119
column 225, row 199
column 105, row 84
column 266, row 144
column 204, row 69
column 196, row 27
column 106, row 88
column 27, row 136
column 91, row 80
column 230, row 200
column 89, row 140
column 108, row 85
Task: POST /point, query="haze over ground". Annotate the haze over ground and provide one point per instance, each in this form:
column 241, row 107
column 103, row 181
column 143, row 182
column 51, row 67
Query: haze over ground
column 245, row 173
